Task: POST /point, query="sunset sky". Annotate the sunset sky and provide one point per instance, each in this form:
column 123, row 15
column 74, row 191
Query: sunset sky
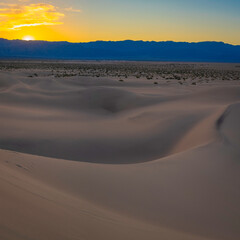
column 90, row 20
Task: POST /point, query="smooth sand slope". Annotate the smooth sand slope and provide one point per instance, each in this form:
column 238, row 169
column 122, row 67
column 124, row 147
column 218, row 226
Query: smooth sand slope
column 94, row 158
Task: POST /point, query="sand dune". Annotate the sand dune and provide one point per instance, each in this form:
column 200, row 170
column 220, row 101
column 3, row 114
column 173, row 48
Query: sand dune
column 102, row 159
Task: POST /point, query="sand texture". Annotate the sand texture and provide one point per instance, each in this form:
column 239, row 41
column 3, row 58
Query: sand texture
column 117, row 150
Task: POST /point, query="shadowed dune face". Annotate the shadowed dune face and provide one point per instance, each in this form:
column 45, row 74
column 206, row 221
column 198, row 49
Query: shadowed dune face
column 228, row 125
column 67, row 119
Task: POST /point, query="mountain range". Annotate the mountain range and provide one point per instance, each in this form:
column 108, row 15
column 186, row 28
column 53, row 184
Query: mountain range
column 121, row 50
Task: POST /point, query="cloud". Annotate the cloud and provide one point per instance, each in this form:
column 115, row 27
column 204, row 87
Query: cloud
column 15, row 16
column 8, row 4
column 70, row 9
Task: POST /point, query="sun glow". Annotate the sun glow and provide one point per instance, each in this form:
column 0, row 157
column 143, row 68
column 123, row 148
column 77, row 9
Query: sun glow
column 28, row 38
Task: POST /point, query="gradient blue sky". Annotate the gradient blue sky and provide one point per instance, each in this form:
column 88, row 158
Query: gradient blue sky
column 158, row 20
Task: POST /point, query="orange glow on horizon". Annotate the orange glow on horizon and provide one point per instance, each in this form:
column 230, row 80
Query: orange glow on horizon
column 28, row 38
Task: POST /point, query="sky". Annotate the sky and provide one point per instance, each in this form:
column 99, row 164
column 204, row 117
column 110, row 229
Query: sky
column 114, row 20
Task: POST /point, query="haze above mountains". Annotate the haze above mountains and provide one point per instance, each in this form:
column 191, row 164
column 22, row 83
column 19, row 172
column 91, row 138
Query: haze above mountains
column 121, row 50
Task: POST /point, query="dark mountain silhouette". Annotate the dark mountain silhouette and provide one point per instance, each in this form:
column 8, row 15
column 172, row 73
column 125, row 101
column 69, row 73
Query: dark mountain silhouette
column 121, row 50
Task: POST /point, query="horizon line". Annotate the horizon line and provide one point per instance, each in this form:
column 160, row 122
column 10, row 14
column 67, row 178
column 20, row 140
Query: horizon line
column 125, row 40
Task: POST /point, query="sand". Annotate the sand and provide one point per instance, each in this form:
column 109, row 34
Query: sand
column 117, row 150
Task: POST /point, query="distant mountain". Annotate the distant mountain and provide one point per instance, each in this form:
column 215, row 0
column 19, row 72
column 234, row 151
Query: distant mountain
column 121, row 50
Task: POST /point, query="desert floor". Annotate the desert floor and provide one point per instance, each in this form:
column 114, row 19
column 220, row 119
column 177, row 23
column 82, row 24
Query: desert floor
column 119, row 150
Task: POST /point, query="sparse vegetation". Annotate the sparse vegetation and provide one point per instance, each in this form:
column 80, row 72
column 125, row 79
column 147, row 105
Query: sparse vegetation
column 187, row 73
